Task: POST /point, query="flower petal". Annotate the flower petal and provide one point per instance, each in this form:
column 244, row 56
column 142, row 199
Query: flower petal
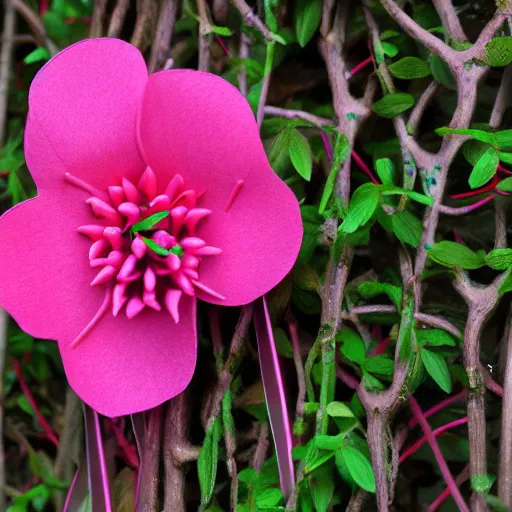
column 84, row 104
column 126, row 366
column 211, row 139
column 44, row 265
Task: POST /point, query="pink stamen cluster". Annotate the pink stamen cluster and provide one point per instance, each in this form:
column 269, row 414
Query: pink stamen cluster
column 146, row 267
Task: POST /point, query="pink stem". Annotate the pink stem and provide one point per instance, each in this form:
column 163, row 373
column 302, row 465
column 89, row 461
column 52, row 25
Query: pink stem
column 359, row 67
column 443, row 466
column 461, row 395
column 487, row 188
column 381, row 347
column 463, row 210
column 437, row 432
column 32, row 401
column 461, row 478
column 359, row 161
column 129, row 451
column 327, row 146
column 503, row 170
column 222, row 45
column 347, row 379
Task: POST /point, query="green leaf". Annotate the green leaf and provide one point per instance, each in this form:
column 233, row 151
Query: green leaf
column 328, row 443
column 300, row 154
column 221, row 31
column 434, row 338
column 352, row 347
column 359, row 468
column 481, row 135
column 505, row 185
column 280, row 144
column 484, row 169
column 371, row 289
column 389, row 49
column 37, row 55
column 385, row 170
column 341, row 150
column 283, row 345
column 499, row 259
column 498, row 51
column 409, row 68
column 268, row 498
column 504, row 140
column 308, row 14
column 505, row 157
column 339, row 410
column 149, row 222
column 404, row 225
column 437, row 368
column 482, row 483
column 381, row 365
column 321, row 485
column 452, row 254
column 473, row 150
column 388, row 34
column 393, row 104
column 388, row 190
column 158, row 249
column 507, row 284
column 442, row 73
column 208, row 460
column 362, row 205
column 371, row 383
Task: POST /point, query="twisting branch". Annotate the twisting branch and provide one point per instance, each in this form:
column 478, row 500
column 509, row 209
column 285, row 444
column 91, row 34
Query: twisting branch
column 205, row 30
column 252, row 19
column 419, row 109
column 162, row 43
column 298, row 114
column 98, row 16
column 146, row 15
column 481, row 302
column 245, row 44
column 505, row 458
column 118, row 16
column 450, row 20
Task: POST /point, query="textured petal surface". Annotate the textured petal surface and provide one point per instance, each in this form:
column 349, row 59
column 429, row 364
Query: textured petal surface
column 44, row 267
column 123, row 367
column 198, row 125
column 84, row 104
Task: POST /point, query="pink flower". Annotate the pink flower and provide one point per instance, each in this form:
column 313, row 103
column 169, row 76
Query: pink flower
column 152, row 193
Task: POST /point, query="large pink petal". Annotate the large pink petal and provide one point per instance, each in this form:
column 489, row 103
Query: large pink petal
column 126, row 366
column 83, row 104
column 200, row 126
column 44, row 264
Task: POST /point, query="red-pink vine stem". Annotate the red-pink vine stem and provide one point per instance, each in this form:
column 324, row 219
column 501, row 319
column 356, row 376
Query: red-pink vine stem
column 443, row 466
column 359, row 67
column 462, row 477
column 461, row 395
column 50, row 435
column 437, row 432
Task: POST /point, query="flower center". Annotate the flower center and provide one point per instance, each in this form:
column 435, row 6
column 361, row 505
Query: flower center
column 144, row 244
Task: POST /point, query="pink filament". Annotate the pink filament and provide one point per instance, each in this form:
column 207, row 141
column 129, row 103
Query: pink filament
column 461, row 395
column 359, row 67
column 233, row 195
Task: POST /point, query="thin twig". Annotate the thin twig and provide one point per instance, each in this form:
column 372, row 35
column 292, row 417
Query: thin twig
column 450, row 20
column 245, row 44
column 98, row 16
column 150, row 464
column 205, row 37
column 118, row 17
column 162, row 42
column 443, row 466
column 298, row 114
column 146, row 15
column 505, row 453
column 299, row 367
column 251, row 18
column 419, row 109
column 261, row 448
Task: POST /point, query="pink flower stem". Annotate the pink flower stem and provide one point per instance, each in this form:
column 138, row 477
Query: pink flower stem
column 220, row 42
column 461, row 395
column 359, row 67
column 49, row 434
column 437, row 432
column 487, row 188
column 462, row 477
column 43, row 6
column 463, row 210
column 443, row 466
column 326, row 144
